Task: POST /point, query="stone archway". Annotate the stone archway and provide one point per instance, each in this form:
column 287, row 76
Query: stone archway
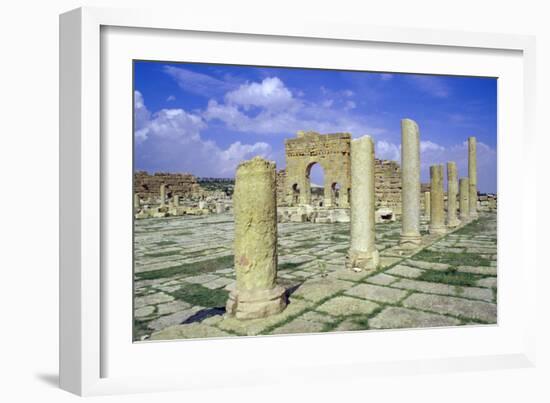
column 331, row 152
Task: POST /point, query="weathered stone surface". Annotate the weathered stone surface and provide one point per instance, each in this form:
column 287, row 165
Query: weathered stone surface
column 445, row 289
column 152, row 299
column 343, row 306
column 318, row 289
column 255, row 209
column 220, row 282
column 362, row 254
column 381, row 279
column 348, row 325
column 376, row 293
column 488, row 270
column 490, row 282
column 464, row 197
column 299, row 326
column 437, row 214
column 254, row 327
column 410, row 183
column 189, row 331
column 171, row 307
column 452, row 192
column 484, row 311
column 144, row 311
column 201, row 279
column 174, row 319
column 405, row 271
column 394, row 317
column 472, row 175
column 427, row 265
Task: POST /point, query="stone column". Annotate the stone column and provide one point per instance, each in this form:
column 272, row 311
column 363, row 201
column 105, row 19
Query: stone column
column 362, row 254
column 452, row 192
column 162, row 194
column 472, row 175
column 464, row 198
column 410, row 184
column 427, row 205
column 220, row 208
column 176, row 200
column 437, row 214
column 137, row 205
column 255, row 210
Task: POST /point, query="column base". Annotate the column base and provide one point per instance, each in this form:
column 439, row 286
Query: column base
column 410, row 241
column 437, row 229
column 256, row 304
column 453, row 223
column 362, row 260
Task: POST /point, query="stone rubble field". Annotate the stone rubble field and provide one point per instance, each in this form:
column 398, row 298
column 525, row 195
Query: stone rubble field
column 184, row 268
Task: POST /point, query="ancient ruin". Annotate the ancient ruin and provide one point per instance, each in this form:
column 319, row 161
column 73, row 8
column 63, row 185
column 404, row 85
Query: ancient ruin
column 362, row 254
column 256, row 294
column 452, row 193
column 472, row 175
column 410, row 183
column 437, row 203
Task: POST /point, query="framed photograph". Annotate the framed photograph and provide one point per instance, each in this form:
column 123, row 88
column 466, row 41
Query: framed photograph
column 330, row 197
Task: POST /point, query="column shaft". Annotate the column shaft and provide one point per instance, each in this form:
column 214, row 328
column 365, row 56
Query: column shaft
column 437, row 215
column 472, row 175
column 255, row 211
column 427, row 205
column 363, row 253
column 410, row 184
column 464, row 197
column 452, row 192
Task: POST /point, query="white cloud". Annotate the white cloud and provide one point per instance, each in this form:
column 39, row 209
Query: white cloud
column 430, row 146
column 170, row 139
column 387, row 151
column 386, row 76
column 348, row 93
column 170, row 98
column 327, row 103
column 350, row 105
column 197, row 83
column 271, row 94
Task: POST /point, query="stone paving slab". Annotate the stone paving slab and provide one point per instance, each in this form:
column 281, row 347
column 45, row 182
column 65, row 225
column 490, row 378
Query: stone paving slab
column 394, row 317
column 316, row 290
column 484, row 311
column 376, row 293
column 445, row 289
column 345, row 306
column 405, row 271
column 381, row 279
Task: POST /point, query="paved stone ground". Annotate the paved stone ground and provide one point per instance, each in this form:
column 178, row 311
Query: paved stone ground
column 184, row 265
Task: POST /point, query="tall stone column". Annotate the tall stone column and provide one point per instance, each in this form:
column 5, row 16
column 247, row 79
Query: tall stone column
column 452, row 192
column 472, row 175
column 427, row 205
column 362, row 254
column 437, row 213
column 162, row 194
column 255, row 210
column 464, row 197
column 410, row 184
column 176, row 200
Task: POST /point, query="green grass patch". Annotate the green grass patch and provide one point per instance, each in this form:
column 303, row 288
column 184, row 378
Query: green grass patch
column 201, row 267
column 196, row 294
column 453, row 259
column 166, row 243
column 451, row 277
column 163, row 254
column 289, row 265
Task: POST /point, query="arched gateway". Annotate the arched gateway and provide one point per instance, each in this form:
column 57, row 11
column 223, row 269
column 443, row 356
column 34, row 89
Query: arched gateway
column 332, row 153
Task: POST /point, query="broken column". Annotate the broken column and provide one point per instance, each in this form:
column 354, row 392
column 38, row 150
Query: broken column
column 427, row 205
column 472, row 175
column 176, row 200
column 452, row 191
column 162, row 194
column 256, row 294
column 362, row 254
column 437, row 215
column 464, row 199
column 410, row 184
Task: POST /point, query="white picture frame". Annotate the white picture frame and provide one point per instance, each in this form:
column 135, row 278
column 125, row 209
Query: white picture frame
column 87, row 318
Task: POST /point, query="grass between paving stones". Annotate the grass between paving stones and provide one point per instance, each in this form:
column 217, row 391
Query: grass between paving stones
column 196, row 294
column 453, row 259
column 140, row 329
column 475, row 227
column 163, row 254
column 451, row 277
column 201, row 267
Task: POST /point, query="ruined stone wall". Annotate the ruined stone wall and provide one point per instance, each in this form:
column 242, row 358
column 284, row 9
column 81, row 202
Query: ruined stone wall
column 281, row 187
column 387, row 185
column 332, row 152
column 148, row 186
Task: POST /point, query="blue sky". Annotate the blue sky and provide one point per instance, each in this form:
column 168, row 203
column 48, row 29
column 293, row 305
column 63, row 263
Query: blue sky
column 206, row 118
